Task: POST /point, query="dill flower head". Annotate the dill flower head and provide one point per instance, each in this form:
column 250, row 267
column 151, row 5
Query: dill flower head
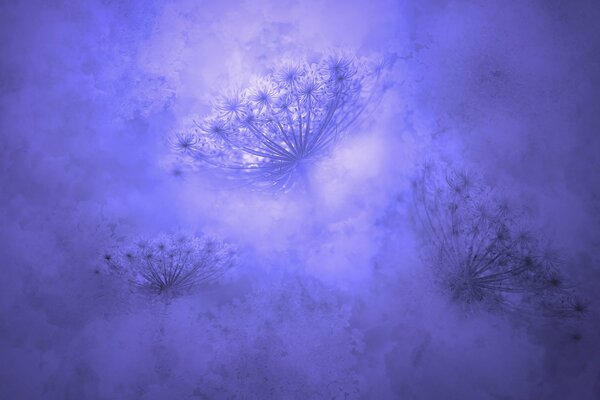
column 483, row 251
column 170, row 265
column 266, row 134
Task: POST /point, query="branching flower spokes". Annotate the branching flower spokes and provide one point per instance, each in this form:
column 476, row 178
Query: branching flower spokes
column 171, row 264
column 264, row 135
column 483, row 251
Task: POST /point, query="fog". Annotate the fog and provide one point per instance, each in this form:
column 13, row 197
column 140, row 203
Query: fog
column 332, row 292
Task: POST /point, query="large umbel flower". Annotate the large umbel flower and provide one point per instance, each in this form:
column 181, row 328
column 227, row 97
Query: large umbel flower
column 483, row 251
column 266, row 135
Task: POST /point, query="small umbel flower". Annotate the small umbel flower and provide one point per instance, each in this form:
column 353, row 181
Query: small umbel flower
column 482, row 251
column 171, row 265
column 267, row 134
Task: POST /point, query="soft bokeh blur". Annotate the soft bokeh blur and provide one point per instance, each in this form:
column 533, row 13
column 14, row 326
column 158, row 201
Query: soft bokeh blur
column 330, row 298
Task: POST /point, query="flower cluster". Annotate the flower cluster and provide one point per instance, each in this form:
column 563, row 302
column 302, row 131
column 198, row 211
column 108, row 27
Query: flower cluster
column 265, row 135
column 482, row 249
column 171, row 264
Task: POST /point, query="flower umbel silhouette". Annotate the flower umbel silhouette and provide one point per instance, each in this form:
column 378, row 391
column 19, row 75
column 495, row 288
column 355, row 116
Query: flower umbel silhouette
column 266, row 135
column 171, row 264
column 482, row 250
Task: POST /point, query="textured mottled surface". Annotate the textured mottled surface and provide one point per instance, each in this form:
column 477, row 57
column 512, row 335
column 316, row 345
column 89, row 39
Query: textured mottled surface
column 332, row 295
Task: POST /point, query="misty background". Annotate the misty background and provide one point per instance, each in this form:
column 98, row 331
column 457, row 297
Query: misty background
column 330, row 297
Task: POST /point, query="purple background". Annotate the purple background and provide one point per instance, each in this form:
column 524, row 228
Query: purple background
column 330, row 295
